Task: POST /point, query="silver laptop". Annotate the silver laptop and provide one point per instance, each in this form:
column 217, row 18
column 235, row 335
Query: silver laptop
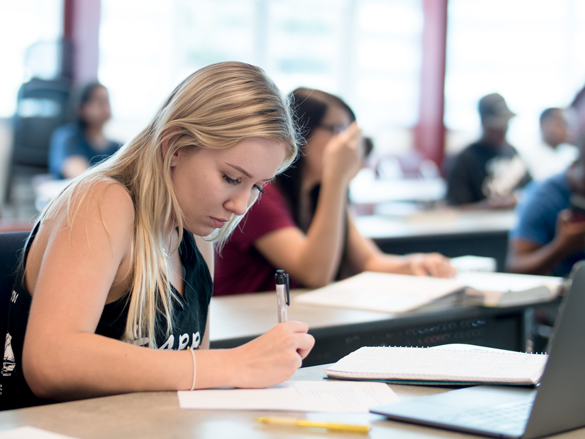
column 556, row 405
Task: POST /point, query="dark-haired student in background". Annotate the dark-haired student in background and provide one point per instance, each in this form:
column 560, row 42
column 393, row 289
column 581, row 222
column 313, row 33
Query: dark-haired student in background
column 301, row 223
column 76, row 146
column 549, row 239
column 553, row 154
column 487, row 173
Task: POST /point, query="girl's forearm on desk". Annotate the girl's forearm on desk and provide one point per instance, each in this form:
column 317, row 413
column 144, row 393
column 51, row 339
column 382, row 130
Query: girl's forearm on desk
column 85, row 365
column 312, row 258
column 88, row 365
column 364, row 254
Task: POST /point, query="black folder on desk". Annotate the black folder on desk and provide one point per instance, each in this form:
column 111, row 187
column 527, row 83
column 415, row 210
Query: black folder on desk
column 557, row 405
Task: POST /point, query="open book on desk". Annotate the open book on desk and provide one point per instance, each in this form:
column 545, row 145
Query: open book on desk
column 443, row 365
column 396, row 293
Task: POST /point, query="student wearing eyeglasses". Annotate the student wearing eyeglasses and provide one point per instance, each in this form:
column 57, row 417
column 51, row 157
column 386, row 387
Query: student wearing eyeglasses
column 302, row 224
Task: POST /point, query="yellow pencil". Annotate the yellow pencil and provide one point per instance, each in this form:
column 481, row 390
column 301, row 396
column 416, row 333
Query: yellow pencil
column 304, row 423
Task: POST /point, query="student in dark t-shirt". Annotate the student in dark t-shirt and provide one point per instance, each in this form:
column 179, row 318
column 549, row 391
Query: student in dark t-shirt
column 75, row 147
column 117, row 265
column 487, row 173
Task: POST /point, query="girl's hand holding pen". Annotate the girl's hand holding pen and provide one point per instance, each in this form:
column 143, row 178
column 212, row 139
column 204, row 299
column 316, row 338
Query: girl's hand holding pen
column 273, row 357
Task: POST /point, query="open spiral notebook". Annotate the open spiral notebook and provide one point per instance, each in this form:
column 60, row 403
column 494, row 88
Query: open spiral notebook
column 454, row 364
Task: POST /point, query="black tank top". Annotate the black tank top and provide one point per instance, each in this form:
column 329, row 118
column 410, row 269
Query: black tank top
column 189, row 319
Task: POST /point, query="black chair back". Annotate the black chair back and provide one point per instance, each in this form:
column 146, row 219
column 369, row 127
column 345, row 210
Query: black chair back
column 42, row 107
column 11, row 247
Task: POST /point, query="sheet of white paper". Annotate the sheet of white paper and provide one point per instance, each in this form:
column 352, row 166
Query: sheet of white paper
column 31, row 433
column 299, row 396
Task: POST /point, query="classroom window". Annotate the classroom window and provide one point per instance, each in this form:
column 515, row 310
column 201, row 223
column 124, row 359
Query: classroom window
column 367, row 51
column 527, row 50
column 25, row 23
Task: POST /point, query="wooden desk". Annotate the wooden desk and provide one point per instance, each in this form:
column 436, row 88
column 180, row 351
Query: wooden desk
column 449, row 232
column 240, row 318
column 157, row 415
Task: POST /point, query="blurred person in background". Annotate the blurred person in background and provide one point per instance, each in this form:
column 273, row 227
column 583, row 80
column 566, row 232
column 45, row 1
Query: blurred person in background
column 576, row 117
column 77, row 146
column 550, row 237
column 553, row 155
column 302, row 224
column 488, row 173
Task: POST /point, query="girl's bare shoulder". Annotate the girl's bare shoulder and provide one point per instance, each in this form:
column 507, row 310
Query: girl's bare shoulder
column 93, row 207
column 91, row 224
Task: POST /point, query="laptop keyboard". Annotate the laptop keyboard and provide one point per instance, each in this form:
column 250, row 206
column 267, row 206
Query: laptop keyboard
column 506, row 416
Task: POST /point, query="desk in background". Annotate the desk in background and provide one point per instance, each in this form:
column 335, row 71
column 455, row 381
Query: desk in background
column 452, row 233
column 156, row 415
column 369, row 190
column 238, row 319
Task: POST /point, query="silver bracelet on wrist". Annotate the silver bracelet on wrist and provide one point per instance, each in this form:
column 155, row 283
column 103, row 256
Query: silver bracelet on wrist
column 194, row 368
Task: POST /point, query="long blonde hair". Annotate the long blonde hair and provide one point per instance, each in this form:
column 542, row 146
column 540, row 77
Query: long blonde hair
column 216, row 107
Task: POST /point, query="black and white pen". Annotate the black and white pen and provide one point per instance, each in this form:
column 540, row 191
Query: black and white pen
column 282, row 295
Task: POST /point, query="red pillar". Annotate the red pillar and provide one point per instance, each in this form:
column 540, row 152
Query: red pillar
column 81, row 25
column 429, row 135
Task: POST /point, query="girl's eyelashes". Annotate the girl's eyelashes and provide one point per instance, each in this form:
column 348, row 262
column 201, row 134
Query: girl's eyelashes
column 231, row 181
column 237, row 181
